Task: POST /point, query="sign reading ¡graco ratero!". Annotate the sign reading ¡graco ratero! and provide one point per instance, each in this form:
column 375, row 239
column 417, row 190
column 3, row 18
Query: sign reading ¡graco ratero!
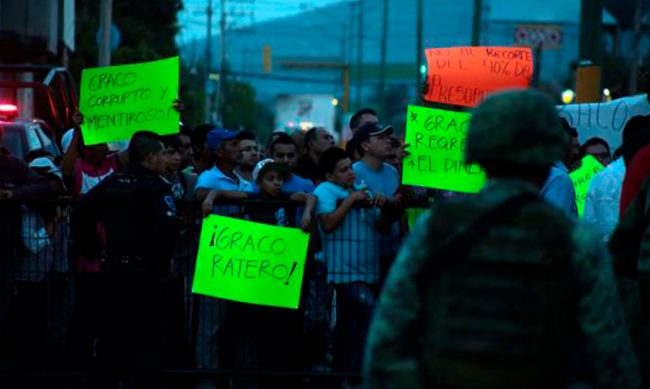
column 466, row 75
column 250, row 262
column 437, row 138
column 117, row 101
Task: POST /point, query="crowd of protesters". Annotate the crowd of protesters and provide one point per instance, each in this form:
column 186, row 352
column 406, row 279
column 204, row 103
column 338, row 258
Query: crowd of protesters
column 53, row 310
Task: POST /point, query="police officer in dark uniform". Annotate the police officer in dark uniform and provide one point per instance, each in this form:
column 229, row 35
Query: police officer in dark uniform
column 130, row 221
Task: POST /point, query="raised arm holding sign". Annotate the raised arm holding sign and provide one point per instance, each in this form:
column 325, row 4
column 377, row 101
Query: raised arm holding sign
column 119, row 100
column 437, row 140
column 250, row 262
column 465, row 75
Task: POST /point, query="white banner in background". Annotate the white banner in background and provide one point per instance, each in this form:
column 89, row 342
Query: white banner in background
column 604, row 120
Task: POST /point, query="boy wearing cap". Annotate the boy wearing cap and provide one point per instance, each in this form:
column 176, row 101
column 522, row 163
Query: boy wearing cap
column 252, row 349
column 269, row 177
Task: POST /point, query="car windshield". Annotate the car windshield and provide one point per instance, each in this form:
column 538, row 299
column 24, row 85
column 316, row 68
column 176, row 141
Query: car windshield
column 13, row 141
column 46, row 141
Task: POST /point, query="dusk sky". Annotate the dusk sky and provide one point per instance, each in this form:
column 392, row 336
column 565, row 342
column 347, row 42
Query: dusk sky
column 193, row 19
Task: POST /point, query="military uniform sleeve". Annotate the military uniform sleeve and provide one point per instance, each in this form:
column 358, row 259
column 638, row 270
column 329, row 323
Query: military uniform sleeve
column 391, row 357
column 600, row 314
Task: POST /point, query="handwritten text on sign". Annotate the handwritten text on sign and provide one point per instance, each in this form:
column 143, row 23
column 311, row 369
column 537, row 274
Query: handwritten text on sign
column 581, row 178
column 605, row 120
column 466, row 75
column 119, row 100
column 437, row 140
column 250, row 262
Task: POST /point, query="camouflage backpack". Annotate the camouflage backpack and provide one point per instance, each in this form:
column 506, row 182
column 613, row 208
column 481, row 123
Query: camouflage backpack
column 496, row 308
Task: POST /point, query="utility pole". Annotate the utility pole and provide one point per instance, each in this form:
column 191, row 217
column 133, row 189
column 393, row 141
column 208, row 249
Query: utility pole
column 418, row 52
column 588, row 74
column 221, row 94
column 208, row 64
column 476, row 22
column 591, row 27
column 105, row 21
column 382, row 66
column 359, row 54
column 634, row 69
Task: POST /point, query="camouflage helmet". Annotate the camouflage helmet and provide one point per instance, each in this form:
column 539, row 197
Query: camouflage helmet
column 518, row 127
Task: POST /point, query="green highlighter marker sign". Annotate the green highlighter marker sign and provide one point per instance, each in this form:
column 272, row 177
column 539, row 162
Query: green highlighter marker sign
column 437, row 140
column 250, row 262
column 117, row 101
column 581, row 179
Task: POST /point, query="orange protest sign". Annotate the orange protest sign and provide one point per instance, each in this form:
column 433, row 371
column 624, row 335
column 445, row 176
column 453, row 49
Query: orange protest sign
column 466, row 75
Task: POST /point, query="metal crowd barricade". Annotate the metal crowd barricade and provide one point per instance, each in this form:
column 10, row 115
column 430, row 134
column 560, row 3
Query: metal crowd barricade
column 39, row 283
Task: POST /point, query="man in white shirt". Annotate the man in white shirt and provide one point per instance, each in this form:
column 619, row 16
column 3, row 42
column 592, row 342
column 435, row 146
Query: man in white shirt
column 604, row 194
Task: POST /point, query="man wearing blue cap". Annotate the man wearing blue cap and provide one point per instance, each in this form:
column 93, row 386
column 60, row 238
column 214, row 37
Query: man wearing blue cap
column 225, row 148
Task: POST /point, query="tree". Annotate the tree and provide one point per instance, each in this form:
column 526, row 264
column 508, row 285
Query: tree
column 240, row 110
column 148, row 30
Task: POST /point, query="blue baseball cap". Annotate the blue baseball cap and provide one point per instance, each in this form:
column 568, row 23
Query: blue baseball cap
column 218, row 135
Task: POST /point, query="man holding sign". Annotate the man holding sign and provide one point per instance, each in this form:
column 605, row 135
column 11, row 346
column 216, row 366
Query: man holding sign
column 119, row 100
column 269, row 272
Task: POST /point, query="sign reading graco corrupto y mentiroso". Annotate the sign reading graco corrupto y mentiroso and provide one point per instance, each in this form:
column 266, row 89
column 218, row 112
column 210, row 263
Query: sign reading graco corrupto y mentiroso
column 117, row 101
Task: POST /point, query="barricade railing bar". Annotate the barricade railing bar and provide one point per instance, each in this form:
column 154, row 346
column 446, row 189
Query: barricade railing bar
column 48, row 311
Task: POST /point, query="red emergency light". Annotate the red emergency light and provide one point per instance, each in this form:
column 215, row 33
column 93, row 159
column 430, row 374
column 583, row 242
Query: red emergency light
column 8, row 111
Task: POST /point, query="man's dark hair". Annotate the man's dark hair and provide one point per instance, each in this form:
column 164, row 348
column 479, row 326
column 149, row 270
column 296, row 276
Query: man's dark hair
column 330, row 158
column 356, row 118
column 142, row 144
column 591, row 142
column 311, row 135
column 171, row 141
column 281, row 139
column 636, row 134
column 570, row 131
column 200, row 134
column 245, row 135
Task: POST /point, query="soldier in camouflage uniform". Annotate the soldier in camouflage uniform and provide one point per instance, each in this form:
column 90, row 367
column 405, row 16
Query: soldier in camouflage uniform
column 492, row 291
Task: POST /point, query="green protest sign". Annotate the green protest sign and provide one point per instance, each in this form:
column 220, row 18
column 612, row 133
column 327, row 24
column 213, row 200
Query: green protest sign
column 413, row 215
column 250, row 262
column 581, row 178
column 117, row 101
column 437, row 140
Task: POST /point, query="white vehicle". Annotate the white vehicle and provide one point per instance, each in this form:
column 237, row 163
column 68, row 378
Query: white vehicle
column 302, row 112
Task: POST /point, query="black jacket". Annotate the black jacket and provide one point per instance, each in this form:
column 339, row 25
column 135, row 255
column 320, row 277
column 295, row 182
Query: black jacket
column 136, row 211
